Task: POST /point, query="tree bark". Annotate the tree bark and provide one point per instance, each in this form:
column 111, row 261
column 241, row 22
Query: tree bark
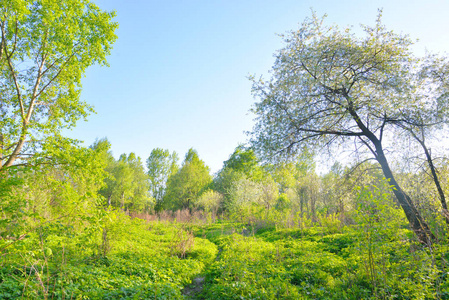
column 417, row 223
column 435, row 179
column 419, row 226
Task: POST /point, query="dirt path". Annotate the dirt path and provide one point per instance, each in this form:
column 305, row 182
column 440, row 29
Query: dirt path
column 195, row 288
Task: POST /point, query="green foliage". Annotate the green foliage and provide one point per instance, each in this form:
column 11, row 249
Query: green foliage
column 313, row 264
column 224, row 183
column 283, row 202
column 161, row 165
column 45, row 48
column 377, row 258
column 293, row 234
column 133, row 184
column 237, row 181
column 185, row 187
column 210, row 202
column 126, row 184
column 244, row 161
column 140, row 264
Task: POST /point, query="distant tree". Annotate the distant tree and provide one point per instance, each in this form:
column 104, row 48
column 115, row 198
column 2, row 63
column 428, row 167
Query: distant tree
column 184, row 187
column 135, row 184
column 103, row 147
column 45, row 48
column 244, row 160
column 241, row 165
column 126, row 184
column 331, row 87
column 161, row 165
column 243, row 194
column 268, row 193
column 333, row 190
column 223, row 184
column 283, row 202
column 210, row 202
column 287, row 174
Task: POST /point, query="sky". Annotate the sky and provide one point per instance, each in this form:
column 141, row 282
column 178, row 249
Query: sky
column 178, row 74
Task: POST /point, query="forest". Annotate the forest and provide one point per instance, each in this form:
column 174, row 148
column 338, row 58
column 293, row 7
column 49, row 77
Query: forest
column 76, row 222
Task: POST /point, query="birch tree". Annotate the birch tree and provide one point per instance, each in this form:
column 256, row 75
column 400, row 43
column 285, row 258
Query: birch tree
column 45, row 48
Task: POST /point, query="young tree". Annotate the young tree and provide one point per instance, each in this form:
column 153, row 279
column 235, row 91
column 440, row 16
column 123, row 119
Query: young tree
column 45, row 48
column 331, row 87
column 103, row 147
column 243, row 194
column 210, row 201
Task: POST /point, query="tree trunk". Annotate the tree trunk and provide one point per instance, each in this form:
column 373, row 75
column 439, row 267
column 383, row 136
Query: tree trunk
column 313, row 204
column 1, row 150
column 419, row 226
column 435, row 179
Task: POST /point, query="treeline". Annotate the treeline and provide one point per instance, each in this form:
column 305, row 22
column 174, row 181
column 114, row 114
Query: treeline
column 244, row 189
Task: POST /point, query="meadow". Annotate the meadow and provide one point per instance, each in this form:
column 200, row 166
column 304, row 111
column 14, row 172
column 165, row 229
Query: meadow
column 191, row 258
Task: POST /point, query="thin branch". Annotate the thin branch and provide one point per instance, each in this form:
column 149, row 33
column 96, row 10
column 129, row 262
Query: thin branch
column 369, row 147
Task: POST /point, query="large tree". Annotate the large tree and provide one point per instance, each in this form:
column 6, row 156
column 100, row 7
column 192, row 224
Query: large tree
column 45, row 48
column 330, row 87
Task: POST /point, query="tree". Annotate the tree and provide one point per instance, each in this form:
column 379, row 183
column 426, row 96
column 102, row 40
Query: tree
column 63, row 195
column 161, row 165
column 419, row 135
column 243, row 194
column 330, row 87
column 287, row 174
column 126, row 184
column 244, row 160
column 45, row 48
column 241, row 168
column 184, row 188
column 103, row 147
column 134, row 185
column 210, row 201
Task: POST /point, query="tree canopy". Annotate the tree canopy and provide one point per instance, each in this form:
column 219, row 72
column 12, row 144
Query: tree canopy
column 161, row 165
column 184, row 187
column 330, row 87
column 45, row 48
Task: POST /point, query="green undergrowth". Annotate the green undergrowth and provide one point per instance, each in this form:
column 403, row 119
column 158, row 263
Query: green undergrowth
column 142, row 261
column 313, row 264
column 134, row 259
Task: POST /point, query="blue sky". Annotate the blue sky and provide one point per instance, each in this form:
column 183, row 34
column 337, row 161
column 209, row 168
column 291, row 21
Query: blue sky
column 178, row 71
